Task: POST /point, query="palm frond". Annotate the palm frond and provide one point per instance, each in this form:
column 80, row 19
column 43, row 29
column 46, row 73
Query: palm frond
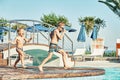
column 53, row 19
column 90, row 22
column 114, row 5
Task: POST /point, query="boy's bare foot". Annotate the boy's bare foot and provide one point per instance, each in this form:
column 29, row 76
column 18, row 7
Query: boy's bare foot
column 24, row 67
column 67, row 67
column 40, row 68
column 15, row 67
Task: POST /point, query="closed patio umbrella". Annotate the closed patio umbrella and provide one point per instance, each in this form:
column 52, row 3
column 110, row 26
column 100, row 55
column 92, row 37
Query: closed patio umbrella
column 81, row 36
column 94, row 33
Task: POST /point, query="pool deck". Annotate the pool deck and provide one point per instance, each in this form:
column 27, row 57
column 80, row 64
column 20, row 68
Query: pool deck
column 51, row 70
column 99, row 64
column 87, row 68
column 9, row 73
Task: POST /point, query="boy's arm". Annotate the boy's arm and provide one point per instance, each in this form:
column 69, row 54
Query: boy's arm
column 13, row 42
column 60, row 36
column 28, row 40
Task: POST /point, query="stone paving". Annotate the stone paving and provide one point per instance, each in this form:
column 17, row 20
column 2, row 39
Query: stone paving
column 9, row 73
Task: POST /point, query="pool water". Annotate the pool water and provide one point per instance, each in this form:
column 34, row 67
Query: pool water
column 39, row 55
column 110, row 74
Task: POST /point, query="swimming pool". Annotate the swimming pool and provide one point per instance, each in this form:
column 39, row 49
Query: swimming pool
column 110, row 74
column 39, row 55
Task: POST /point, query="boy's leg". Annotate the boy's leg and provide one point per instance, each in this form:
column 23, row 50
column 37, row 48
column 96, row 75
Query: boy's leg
column 44, row 61
column 22, row 60
column 64, row 56
column 17, row 62
column 21, row 53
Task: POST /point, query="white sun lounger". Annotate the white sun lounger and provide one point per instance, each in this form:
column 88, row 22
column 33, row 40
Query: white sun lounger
column 95, row 53
column 79, row 53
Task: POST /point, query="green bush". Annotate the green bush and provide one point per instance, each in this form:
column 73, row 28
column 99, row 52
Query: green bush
column 110, row 54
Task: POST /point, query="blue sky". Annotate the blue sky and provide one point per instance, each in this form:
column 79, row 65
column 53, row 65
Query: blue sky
column 72, row 9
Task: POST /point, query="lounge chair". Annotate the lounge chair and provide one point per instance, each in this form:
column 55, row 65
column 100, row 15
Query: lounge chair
column 97, row 49
column 79, row 53
column 94, row 54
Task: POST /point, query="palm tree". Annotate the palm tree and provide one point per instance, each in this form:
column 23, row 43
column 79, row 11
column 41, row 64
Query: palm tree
column 99, row 23
column 114, row 5
column 3, row 22
column 53, row 19
column 65, row 20
column 89, row 23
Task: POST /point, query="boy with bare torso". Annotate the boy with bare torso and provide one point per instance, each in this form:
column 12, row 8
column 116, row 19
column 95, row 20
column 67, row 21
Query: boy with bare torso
column 56, row 35
column 19, row 41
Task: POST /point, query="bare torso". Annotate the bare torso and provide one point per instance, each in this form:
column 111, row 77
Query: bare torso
column 54, row 37
column 19, row 41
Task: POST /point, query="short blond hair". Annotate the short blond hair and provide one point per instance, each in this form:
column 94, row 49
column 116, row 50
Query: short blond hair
column 18, row 30
column 61, row 23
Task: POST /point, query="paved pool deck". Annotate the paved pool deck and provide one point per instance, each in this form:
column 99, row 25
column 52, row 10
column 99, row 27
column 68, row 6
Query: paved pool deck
column 87, row 68
column 98, row 64
column 32, row 73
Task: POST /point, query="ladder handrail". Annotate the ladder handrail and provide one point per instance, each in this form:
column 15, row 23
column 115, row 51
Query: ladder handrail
column 69, row 40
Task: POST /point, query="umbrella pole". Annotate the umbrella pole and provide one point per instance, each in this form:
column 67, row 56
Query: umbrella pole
column 9, row 62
